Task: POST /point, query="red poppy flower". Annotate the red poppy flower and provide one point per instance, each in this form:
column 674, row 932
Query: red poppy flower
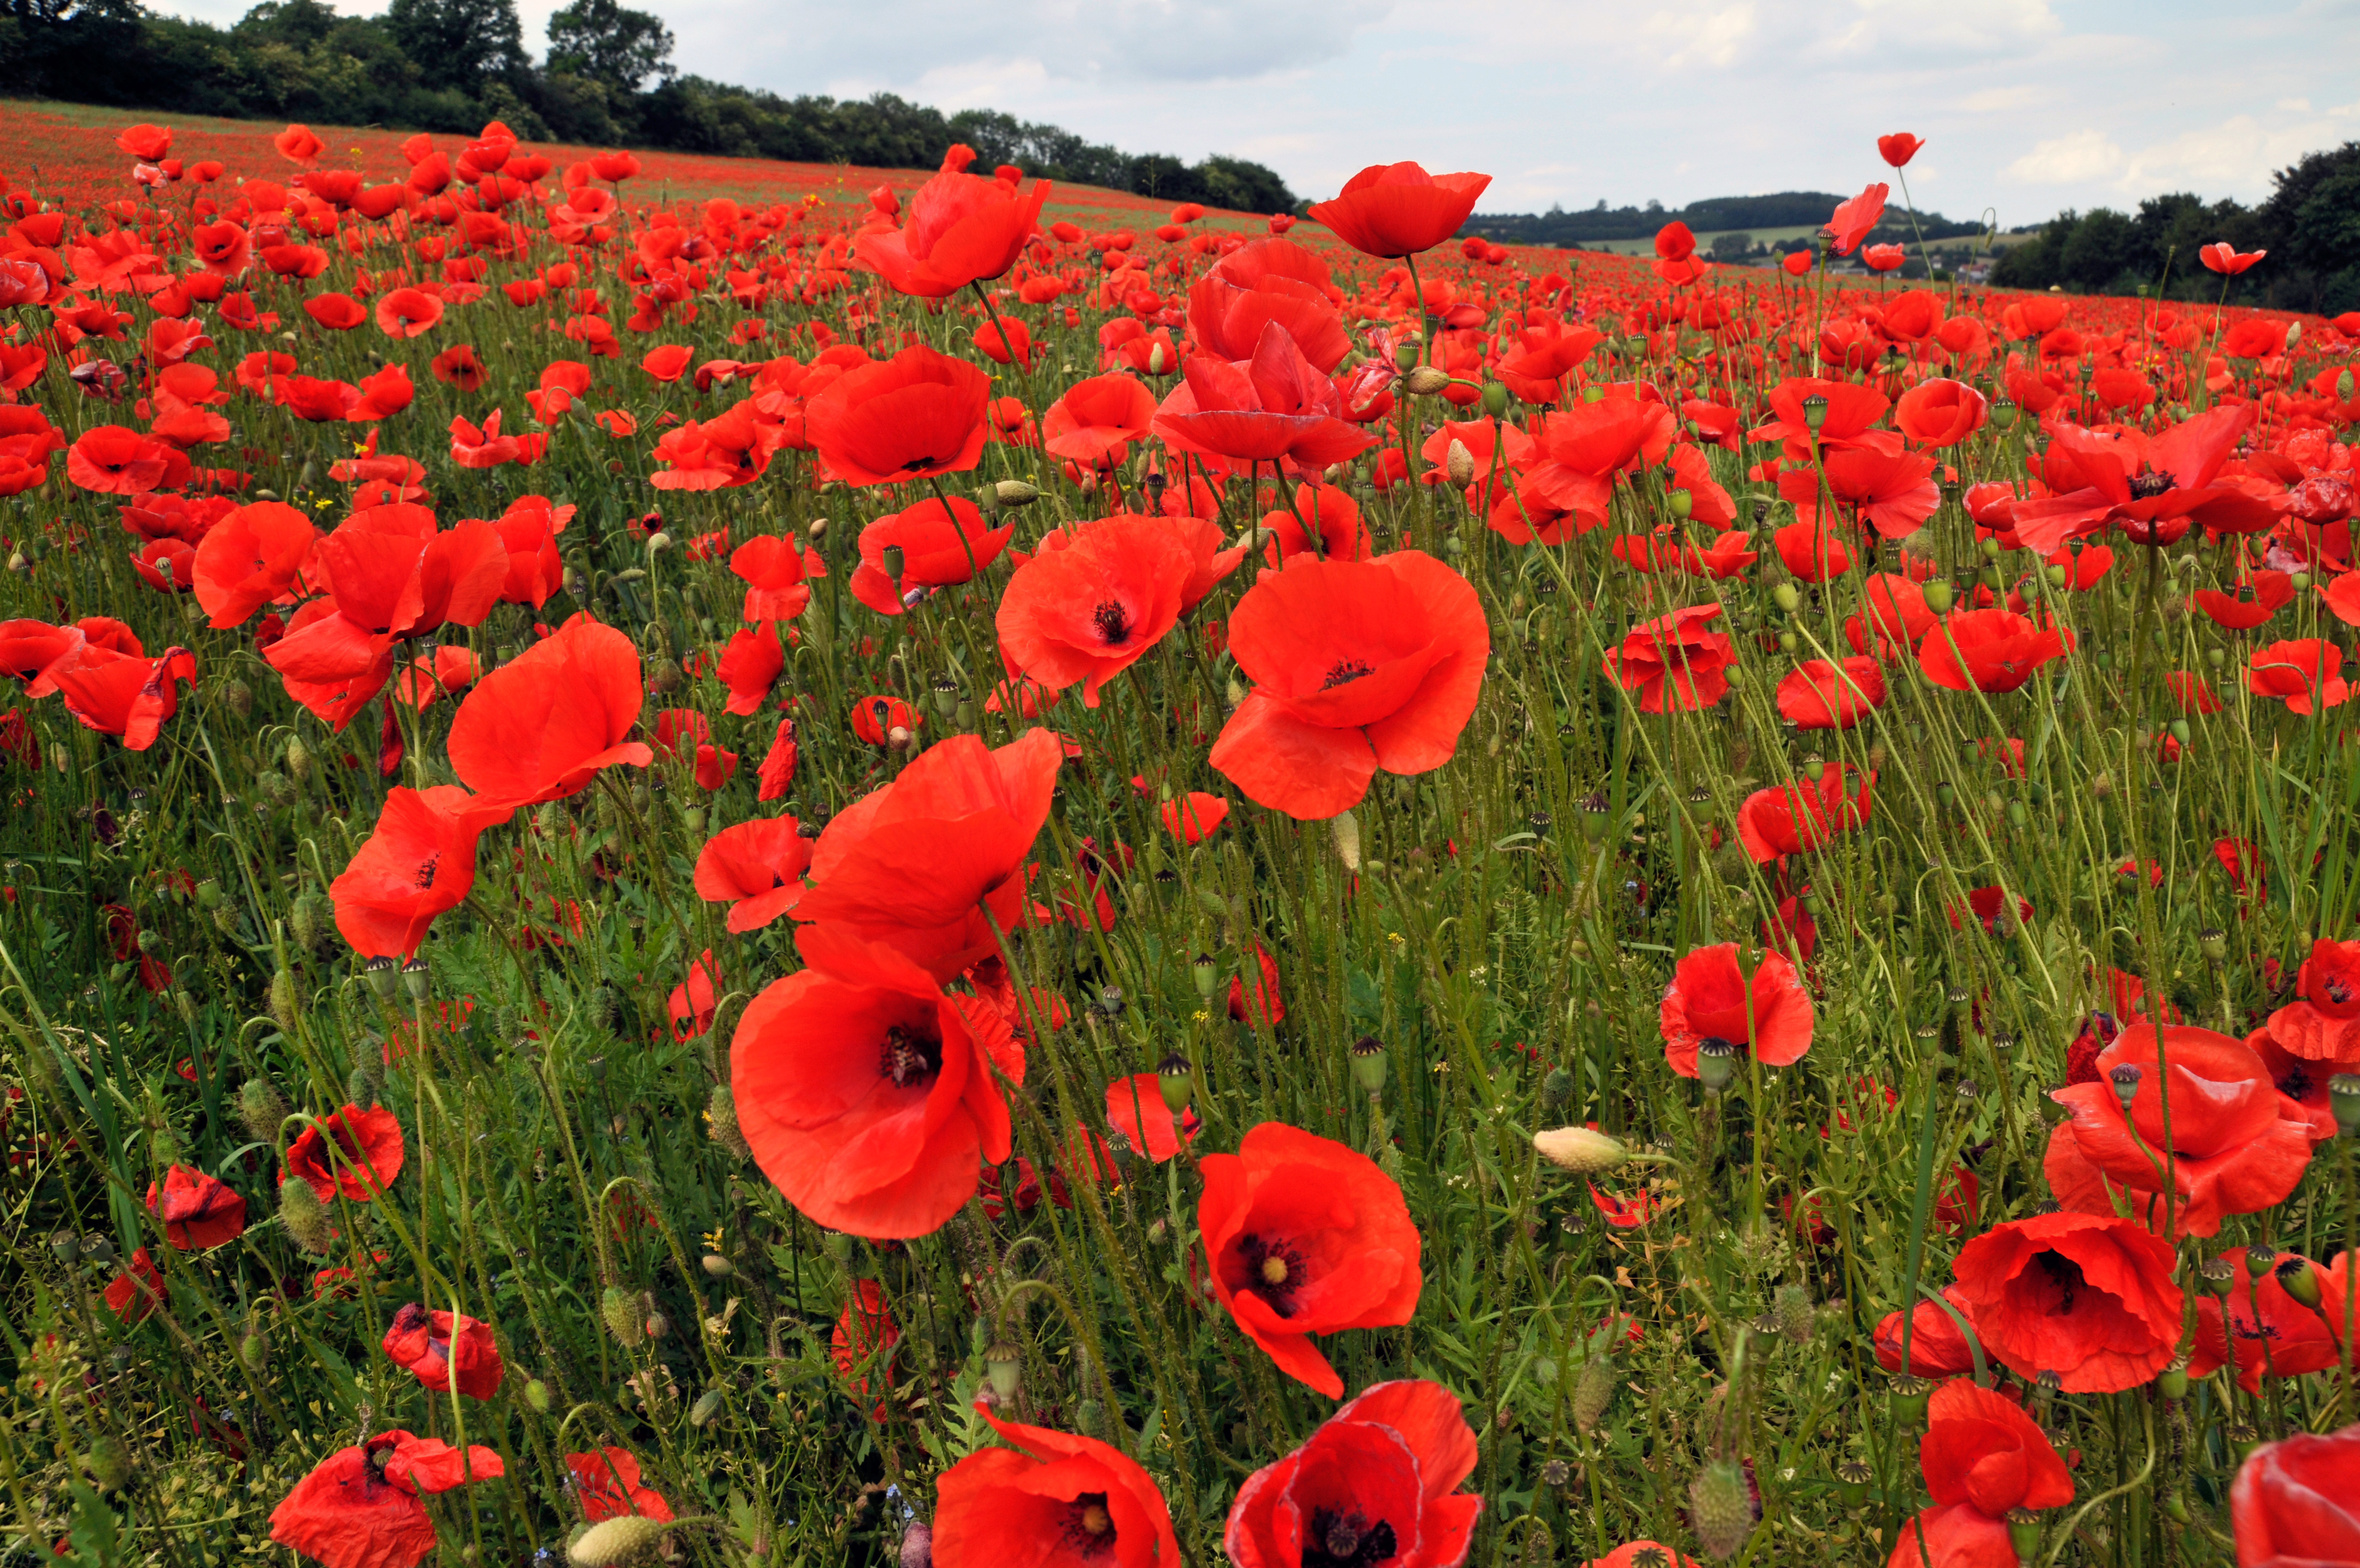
column 756, row 868
column 2233, row 1146
column 2304, row 673
column 417, row 863
column 1897, row 149
column 1936, row 1347
column 1306, row 1236
column 137, row 1291
column 1672, row 661
column 1982, row 1457
column 916, row 864
column 1988, row 650
column 874, row 719
column 1135, row 1109
column 1357, row 666
column 198, row 1211
column 1891, row 492
column 943, row 542
column 1712, row 998
column 2269, row 1332
column 2221, row 256
column 1940, row 412
column 1628, row 1554
column 1194, row 817
column 2296, row 1502
column 1396, row 210
column 609, row 1485
column 443, row 1348
column 1795, row 818
column 359, row 1508
column 126, row 695
column 1376, row 1483
column 1322, row 510
column 366, row 1158
column 1050, row 1500
column 1275, row 405
column 1096, row 421
column 913, row 416
column 1265, row 281
column 962, row 229
column 2152, row 486
column 774, row 572
column 541, row 726
column 1855, row 219
column 1819, row 695
column 867, row 1093
column 1091, row 610
column 2085, row 1297
column 2259, row 595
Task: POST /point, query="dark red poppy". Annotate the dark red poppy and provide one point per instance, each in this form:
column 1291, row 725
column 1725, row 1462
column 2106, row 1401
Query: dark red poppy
column 1050, row 1500
column 1796, row 818
column 913, row 416
column 943, row 542
column 1712, row 998
column 1988, row 650
column 1396, row 210
column 2089, row 1298
column 1377, row 1483
column 359, row 1508
column 365, row 1160
column 1673, row 661
column 542, row 725
column 869, row 1095
column 2234, row 1145
column 917, row 864
column 1357, row 666
column 756, row 868
column 1306, row 1236
column 1275, row 405
column 198, row 1211
column 417, row 863
column 1820, row 695
column 962, row 229
column 1091, row 610
column 137, row 1291
column 609, row 1486
column 445, row 1348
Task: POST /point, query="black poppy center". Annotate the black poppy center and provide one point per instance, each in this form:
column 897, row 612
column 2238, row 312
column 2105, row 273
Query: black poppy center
column 2339, row 991
column 2296, row 1085
column 426, row 869
column 1344, row 672
column 1273, row 1270
column 2064, row 1274
column 1113, row 622
column 1347, row 1540
column 2146, row 487
column 908, row 1059
column 1087, row 1527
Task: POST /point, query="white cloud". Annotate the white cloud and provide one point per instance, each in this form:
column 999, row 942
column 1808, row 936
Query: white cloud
column 1994, row 100
column 2075, row 159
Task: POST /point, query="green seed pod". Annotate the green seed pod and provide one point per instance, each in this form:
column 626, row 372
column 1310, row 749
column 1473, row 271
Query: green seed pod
column 620, row 1309
column 305, row 1218
column 1495, row 399
column 1721, row 1508
column 1593, row 1392
column 708, row 1405
column 536, row 1394
column 1368, row 1065
column 629, row 1539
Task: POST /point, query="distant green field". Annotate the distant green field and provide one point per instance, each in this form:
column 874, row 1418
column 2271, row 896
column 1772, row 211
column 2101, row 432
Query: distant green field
column 1773, row 236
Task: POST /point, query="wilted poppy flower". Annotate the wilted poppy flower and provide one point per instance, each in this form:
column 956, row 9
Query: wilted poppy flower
column 1377, row 1483
column 1194, row 817
column 359, row 1508
column 417, row 863
column 1050, row 1500
column 1275, row 405
column 365, row 1158
column 1306, row 1236
column 2233, row 1148
column 1095, row 421
column 2269, row 1332
column 913, row 416
column 1819, row 695
column 1712, row 998
column 2304, row 673
column 445, row 1348
column 867, row 1093
column 198, row 1211
column 1988, row 650
column 541, row 726
column 1396, row 210
column 1357, row 666
column 756, row 868
column 1673, row 662
column 962, row 229
column 2085, row 1297
column 1793, row 819
column 609, row 1486
column 1091, row 610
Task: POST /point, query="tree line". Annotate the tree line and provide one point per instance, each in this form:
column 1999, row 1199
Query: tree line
column 607, row 78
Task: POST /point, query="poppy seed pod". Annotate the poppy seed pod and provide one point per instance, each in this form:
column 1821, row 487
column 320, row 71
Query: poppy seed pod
column 1852, row 1478
column 2125, row 1080
column 1496, row 398
column 2260, row 1260
column 2300, row 1281
column 1368, row 1064
column 2219, row 1275
column 1908, row 1394
column 1175, row 1080
column 2024, row 1533
column 2343, row 1100
column 1716, row 1063
column 1005, row 1363
column 2172, row 1381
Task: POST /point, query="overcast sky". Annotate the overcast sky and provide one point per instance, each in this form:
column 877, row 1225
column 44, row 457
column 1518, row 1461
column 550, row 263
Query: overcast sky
column 2027, row 106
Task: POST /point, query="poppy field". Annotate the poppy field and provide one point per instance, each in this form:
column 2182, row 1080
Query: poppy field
column 709, row 870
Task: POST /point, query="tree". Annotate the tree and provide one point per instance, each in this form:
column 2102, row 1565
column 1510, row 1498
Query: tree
column 609, row 43
column 2101, row 248
column 458, row 44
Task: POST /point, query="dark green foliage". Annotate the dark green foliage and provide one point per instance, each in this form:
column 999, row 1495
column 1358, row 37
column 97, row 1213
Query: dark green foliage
column 1715, row 214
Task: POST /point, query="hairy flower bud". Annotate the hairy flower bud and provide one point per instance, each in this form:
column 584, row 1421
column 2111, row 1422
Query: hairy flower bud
column 261, row 1109
column 1425, row 381
column 1721, row 1508
column 620, row 1309
column 1593, row 1391
column 628, row 1539
column 305, row 1218
column 1580, row 1149
column 721, row 1122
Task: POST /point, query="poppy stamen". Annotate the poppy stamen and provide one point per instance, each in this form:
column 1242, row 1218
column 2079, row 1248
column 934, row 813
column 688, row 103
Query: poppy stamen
column 2066, row 1275
column 908, row 1059
column 1350, row 1540
column 1273, row 1270
column 1345, row 671
column 2146, row 487
column 1089, row 1528
column 1114, row 623
column 426, row 869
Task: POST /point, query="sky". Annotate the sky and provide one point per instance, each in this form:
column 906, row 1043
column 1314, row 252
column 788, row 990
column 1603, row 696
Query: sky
column 2027, row 106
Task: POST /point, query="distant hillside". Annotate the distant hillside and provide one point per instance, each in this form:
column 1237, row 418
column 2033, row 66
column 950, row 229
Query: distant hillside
column 1715, row 215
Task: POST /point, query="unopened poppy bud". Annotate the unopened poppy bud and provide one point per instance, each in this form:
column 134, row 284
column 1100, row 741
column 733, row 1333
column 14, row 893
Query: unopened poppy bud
column 1005, row 1364
column 307, row 920
column 1939, row 596
column 536, row 1394
column 1459, row 463
column 1721, row 1508
column 620, row 1309
column 254, row 1352
column 284, row 1001
column 708, row 1406
column 1425, row 381
column 2125, row 1080
column 261, row 1109
column 2343, row 1099
column 1557, row 1087
column 716, row 1266
column 209, row 894
column 1159, row 363
column 1683, row 504
column 1593, row 1391
column 658, row 1325
column 1175, row 1080
column 1368, row 1064
column 2296, row 1278
column 615, row 1542
column 305, row 1217
column 1787, row 597
column 1580, row 1149
column 1495, row 399
column 1015, row 493
column 917, row 1545
column 1344, row 827
column 1716, row 1063
column 2343, row 386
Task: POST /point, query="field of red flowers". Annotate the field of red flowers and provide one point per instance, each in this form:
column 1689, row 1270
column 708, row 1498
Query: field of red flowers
column 728, row 864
